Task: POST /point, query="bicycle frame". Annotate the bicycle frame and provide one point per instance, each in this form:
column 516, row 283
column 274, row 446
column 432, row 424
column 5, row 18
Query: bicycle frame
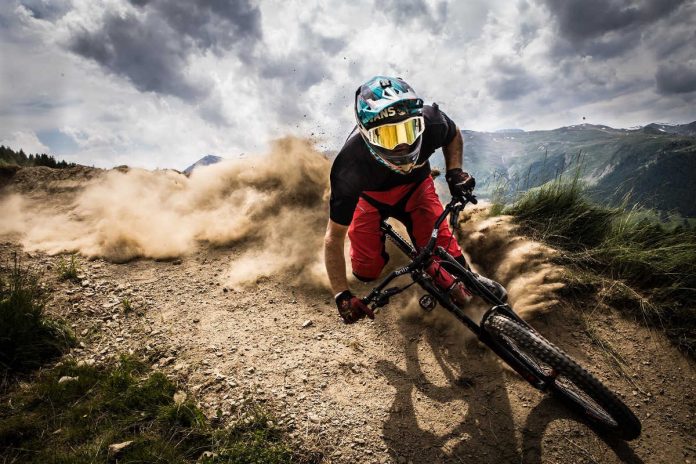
column 380, row 295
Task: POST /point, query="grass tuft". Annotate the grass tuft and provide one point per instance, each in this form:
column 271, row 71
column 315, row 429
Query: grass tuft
column 68, row 269
column 28, row 339
column 126, row 305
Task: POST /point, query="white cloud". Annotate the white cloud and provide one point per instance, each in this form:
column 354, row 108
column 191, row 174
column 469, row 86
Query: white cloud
column 490, row 64
column 27, row 141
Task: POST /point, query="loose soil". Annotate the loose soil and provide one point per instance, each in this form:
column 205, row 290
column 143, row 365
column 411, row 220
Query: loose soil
column 406, row 387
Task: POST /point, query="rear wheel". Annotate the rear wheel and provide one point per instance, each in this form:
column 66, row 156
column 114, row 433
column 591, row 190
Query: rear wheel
column 573, row 384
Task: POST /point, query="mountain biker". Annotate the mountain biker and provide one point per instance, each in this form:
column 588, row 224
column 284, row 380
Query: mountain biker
column 383, row 171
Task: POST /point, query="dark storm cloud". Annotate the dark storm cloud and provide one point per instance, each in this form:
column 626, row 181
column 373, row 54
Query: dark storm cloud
column 605, row 28
column 674, row 78
column 151, row 48
column 146, row 51
column 509, row 81
column 211, row 24
column 410, row 11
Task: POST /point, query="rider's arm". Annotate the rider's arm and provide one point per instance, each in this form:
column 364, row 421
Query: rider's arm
column 334, row 257
column 453, row 151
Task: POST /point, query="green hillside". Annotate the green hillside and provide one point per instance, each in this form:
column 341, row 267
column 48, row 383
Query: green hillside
column 654, row 165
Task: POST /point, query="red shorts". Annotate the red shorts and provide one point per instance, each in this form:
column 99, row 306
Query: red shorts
column 419, row 214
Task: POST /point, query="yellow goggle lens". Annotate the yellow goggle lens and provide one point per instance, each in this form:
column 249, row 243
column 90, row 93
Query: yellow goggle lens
column 390, row 136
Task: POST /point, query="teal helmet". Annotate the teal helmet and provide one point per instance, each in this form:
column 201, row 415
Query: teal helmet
column 389, row 114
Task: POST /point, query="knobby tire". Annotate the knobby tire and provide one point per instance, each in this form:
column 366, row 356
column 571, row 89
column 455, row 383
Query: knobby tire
column 573, row 384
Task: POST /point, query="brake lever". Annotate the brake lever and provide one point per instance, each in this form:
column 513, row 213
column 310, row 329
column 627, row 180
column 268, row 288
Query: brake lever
column 384, row 296
column 471, row 198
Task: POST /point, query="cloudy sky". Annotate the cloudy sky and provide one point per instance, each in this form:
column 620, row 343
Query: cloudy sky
column 159, row 83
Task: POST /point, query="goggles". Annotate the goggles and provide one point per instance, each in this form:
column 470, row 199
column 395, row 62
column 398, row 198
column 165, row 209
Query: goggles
column 389, row 136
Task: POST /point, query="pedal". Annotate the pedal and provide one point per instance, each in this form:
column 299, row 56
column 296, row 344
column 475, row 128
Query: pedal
column 427, row 302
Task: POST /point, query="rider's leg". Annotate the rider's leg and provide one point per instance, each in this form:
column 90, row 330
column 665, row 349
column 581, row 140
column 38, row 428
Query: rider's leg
column 367, row 254
column 424, row 208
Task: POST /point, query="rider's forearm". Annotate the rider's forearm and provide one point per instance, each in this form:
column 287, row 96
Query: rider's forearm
column 454, row 152
column 335, row 263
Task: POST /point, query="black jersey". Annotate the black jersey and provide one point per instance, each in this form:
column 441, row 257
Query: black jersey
column 355, row 170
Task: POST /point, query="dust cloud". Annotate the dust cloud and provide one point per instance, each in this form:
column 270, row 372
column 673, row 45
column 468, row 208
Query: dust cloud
column 270, row 210
column 273, row 206
column 523, row 266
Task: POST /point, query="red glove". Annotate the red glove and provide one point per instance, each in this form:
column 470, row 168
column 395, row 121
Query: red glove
column 351, row 308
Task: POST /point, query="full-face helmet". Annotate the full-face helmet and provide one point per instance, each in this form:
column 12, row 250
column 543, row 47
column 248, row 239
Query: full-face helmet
column 389, row 114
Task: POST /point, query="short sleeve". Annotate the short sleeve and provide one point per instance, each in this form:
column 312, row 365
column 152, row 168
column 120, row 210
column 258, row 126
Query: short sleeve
column 446, row 128
column 344, row 196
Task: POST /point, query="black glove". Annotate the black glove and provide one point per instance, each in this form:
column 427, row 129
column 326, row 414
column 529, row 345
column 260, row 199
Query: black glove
column 351, row 308
column 459, row 182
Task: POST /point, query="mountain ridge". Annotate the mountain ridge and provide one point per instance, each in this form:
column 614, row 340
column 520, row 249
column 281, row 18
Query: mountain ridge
column 652, row 165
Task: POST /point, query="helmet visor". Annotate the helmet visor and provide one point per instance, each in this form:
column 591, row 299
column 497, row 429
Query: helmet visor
column 389, row 136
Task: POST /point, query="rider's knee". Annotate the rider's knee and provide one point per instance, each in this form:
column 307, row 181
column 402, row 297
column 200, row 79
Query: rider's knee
column 367, row 272
column 363, row 278
column 369, row 269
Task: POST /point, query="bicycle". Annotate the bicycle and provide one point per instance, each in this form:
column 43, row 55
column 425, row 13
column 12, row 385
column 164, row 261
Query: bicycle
column 537, row 360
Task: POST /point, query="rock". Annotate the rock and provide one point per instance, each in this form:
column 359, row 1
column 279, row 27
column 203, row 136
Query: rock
column 179, row 397
column 307, row 323
column 67, row 378
column 313, row 418
column 116, row 448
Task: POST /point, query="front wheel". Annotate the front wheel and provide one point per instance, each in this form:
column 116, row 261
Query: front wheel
column 564, row 377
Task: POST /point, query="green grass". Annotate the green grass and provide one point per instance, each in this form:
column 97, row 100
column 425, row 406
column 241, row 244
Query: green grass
column 68, row 269
column 76, row 421
column 28, row 339
column 126, row 305
column 654, row 263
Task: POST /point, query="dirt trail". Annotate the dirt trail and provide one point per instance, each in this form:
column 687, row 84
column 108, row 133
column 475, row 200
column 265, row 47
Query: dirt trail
column 408, row 387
